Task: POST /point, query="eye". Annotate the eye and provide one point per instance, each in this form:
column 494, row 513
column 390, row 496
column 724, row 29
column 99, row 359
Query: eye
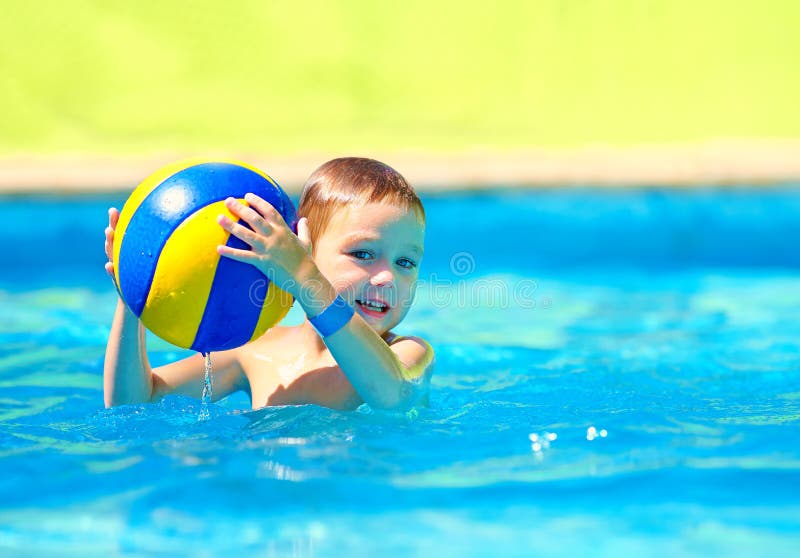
column 361, row 254
column 406, row 263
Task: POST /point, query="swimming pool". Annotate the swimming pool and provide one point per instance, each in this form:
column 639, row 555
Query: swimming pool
column 617, row 373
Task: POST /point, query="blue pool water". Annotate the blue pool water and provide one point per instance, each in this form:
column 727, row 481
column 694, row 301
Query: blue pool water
column 617, row 374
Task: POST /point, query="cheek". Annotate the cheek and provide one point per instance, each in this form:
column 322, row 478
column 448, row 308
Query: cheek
column 344, row 275
column 409, row 287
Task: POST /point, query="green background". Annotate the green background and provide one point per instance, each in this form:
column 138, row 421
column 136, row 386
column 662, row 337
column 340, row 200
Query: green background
column 115, row 77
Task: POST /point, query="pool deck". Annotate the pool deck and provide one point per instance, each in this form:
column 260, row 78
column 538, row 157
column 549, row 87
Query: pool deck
column 723, row 162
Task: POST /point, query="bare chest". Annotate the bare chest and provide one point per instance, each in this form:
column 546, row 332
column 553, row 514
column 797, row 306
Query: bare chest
column 282, row 374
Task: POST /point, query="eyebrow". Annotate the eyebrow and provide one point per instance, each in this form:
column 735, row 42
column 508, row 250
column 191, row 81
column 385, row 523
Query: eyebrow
column 359, row 237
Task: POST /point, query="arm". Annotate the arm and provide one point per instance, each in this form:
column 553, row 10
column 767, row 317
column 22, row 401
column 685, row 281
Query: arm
column 393, row 376
column 127, row 375
column 129, row 378
column 387, row 377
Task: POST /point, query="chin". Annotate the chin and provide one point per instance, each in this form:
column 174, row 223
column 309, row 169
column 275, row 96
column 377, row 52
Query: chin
column 378, row 325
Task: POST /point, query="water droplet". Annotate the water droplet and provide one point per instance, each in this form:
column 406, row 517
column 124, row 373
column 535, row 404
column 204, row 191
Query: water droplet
column 208, row 388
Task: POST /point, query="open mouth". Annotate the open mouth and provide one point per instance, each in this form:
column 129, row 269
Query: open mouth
column 373, row 307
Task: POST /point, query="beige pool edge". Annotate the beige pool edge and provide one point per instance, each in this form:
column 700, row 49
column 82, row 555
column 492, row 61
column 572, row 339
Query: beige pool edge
column 728, row 162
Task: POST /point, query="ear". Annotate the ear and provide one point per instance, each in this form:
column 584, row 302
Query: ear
column 304, row 234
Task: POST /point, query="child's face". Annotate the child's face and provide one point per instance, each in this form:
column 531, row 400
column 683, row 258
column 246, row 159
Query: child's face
column 371, row 253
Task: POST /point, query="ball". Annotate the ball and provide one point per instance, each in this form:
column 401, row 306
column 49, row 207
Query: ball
column 166, row 264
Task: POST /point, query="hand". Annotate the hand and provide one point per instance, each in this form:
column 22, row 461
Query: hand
column 275, row 250
column 113, row 218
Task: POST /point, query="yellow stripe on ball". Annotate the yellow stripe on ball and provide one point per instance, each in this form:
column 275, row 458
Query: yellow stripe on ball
column 183, row 276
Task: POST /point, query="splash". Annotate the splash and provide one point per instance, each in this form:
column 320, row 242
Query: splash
column 208, row 388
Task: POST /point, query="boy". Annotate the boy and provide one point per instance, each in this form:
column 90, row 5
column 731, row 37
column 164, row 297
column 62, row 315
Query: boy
column 353, row 268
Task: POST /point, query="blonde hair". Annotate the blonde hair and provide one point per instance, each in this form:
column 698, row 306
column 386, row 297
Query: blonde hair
column 353, row 181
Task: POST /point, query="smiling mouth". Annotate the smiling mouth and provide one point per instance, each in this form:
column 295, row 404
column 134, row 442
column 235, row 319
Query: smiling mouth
column 373, row 306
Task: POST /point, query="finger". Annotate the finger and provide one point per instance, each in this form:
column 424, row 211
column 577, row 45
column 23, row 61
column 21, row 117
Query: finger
column 109, row 243
column 110, row 269
column 304, row 234
column 248, row 215
column 264, row 208
column 240, row 231
column 246, row 256
column 113, row 217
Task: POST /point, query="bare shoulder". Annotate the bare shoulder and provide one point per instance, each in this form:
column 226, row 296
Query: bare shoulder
column 267, row 347
column 277, row 334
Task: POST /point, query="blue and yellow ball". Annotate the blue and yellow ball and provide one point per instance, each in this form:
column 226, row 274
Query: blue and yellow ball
column 166, row 262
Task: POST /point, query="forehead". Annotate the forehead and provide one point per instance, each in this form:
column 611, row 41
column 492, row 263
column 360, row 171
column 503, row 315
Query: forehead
column 377, row 221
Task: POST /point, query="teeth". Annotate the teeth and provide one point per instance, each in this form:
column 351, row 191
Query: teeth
column 371, row 304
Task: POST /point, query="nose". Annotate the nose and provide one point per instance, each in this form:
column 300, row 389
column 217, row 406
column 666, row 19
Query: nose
column 382, row 277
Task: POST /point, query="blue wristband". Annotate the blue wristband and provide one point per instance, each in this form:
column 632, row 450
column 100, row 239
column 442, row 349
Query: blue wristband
column 333, row 318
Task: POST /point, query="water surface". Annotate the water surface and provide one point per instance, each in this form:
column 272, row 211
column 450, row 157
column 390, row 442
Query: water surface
column 669, row 320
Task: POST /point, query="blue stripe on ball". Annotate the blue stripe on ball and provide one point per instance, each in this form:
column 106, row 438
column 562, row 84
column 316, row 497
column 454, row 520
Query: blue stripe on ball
column 231, row 312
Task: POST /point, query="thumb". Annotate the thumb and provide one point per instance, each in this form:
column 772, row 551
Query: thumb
column 304, row 234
